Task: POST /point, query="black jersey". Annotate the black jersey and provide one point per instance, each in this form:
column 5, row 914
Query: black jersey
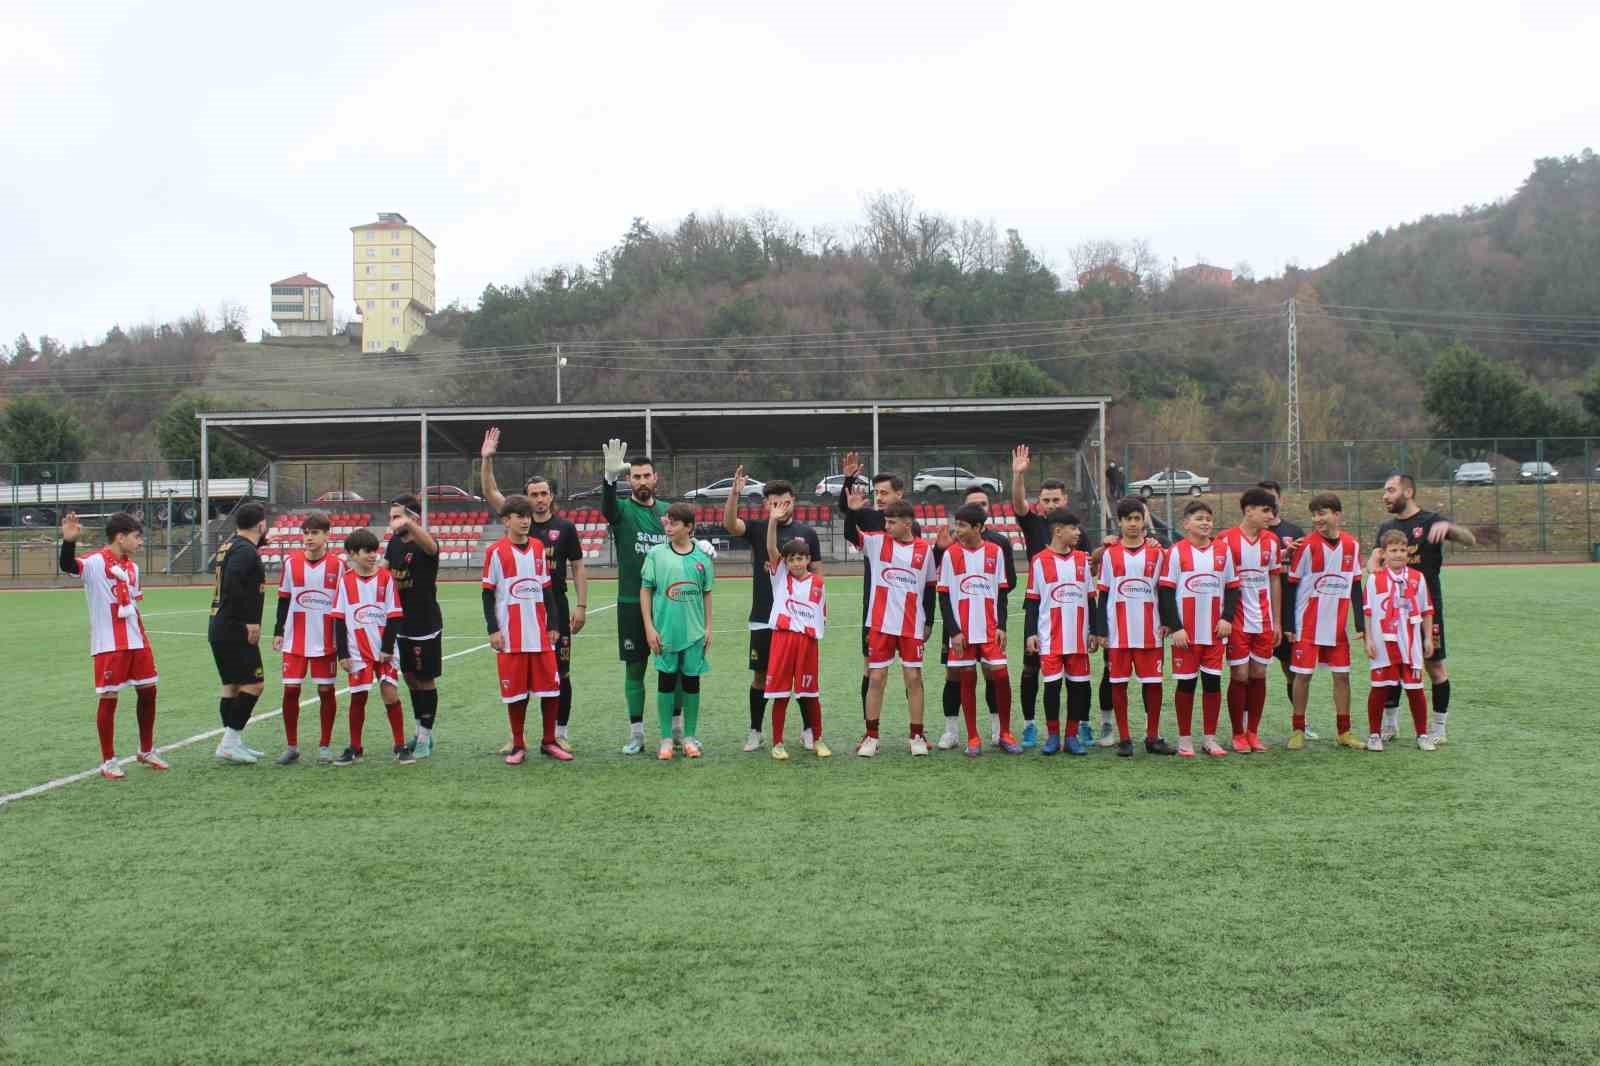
column 755, row 534
column 239, row 594
column 416, row 578
column 868, row 520
column 1425, row 556
column 1035, row 532
column 1287, row 530
column 561, row 546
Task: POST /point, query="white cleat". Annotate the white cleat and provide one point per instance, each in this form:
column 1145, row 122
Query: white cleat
column 1425, row 743
column 919, row 745
column 1375, row 742
column 235, row 753
column 753, row 742
column 868, row 747
column 949, row 740
column 1108, row 735
column 112, row 770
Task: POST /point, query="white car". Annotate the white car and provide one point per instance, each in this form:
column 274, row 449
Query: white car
column 721, row 490
column 939, row 479
column 1474, row 474
column 828, row 488
column 1171, row 482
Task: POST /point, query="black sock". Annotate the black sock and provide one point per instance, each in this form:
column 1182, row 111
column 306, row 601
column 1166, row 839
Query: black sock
column 952, row 697
column 1052, row 699
column 225, row 711
column 1105, row 693
column 864, row 683
column 1077, row 701
column 1441, row 698
column 564, row 715
column 424, row 706
column 758, row 709
column 988, row 695
column 243, row 704
column 1030, row 693
column 1391, row 698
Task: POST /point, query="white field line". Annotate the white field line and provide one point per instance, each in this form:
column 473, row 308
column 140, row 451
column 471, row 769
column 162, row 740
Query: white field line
column 60, row 782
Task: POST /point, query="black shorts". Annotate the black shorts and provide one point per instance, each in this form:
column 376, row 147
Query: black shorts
column 238, row 662
column 1030, row 662
column 631, row 646
column 421, row 659
column 761, row 650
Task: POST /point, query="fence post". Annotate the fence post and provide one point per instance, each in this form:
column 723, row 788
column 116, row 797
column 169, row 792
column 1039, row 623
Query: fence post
column 1538, row 458
column 1494, row 449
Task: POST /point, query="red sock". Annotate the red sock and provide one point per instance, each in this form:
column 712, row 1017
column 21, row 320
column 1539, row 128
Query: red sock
column 872, row 728
column 1002, row 698
column 1152, row 711
column 1237, row 693
column 291, row 715
column 329, row 709
column 397, row 722
column 968, row 678
column 1256, row 704
column 105, row 723
column 1183, row 701
column 780, row 710
column 1341, row 722
column 1210, row 710
column 1052, row 727
column 811, row 707
column 1375, row 709
column 1419, row 709
column 1119, row 707
column 147, row 718
column 358, row 720
column 518, row 713
column 1297, row 719
column 549, row 711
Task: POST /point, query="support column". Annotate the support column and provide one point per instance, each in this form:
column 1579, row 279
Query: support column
column 877, row 464
column 423, row 488
column 649, row 437
column 1099, row 472
column 205, row 490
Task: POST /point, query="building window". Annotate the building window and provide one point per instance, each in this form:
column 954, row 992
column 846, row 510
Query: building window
column 395, row 303
column 394, row 235
column 370, row 269
column 395, row 269
column 372, row 305
column 394, row 320
column 394, row 252
column 394, row 286
column 371, row 252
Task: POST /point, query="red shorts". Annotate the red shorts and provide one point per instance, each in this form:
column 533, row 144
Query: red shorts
column 791, row 665
column 990, row 654
column 116, row 670
column 883, row 647
column 1397, row 674
column 369, row 674
column 324, row 670
column 1072, row 667
column 528, row 675
column 1142, row 663
column 1188, row 662
column 1305, row 656
column 1251, row 647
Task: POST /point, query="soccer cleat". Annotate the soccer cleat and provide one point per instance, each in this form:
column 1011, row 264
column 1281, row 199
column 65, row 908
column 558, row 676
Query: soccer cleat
column 348, row 757
column 1009, row 745
column 808, row 740
column 634, row 745
column 289, row 756
column 1086, row 734
column 1076, row 746
column 974, row 748
column 248, row 750
column 1125, row 748
column 235, row 753
column 666, row 751
column 1185, row 748
column 111, row 770
column 867, row 747
column 1375, row 742
column 780, row 753
column 1108, row 736
column 517, row 757
column 1212, row 748
column 1241, row 743
column 555, row 751
column 691, row 747
column 1030, row 735
column 949, row 739
column 1255, row 742
column 1348, row 739
column 152, row 760
column 1426, row 743
column 1311, row 734
column 422, row 746
column 1052, row 745
column 324, row 756
column 1158, row 746
column 753, row 741
column 564, row 744
column 403, row 756
column 821, row 750
column 919, row 745
column 1297, row 740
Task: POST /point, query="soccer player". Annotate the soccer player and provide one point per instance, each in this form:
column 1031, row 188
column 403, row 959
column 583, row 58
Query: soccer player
column 1425, row 532
column 795, row 624
column 1199, row 594
column 886, row 489
column 117, row 640
column 1399, row 636
column 778, row 497
column 561, row 547
column 951, row 738
column 1108, row 728
column 1060, row 600
column 1126, row 616
column 234, row 632
column 900, row 592
column 636, row 528
column 413, row 558
column 1034, row 523
column 521, row 631
column 366, row 630
column 1323, row 579
column 973, row 596
column 307, row 593
column 1290, row 536
column 1257, row 558
column 675, row 604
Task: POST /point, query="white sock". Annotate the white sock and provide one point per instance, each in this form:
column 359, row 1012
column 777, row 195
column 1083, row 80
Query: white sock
column 561, row 731
column 677, row 725
column 952, row 723
column 806, row 738
column 636, row 729
column 230, row 737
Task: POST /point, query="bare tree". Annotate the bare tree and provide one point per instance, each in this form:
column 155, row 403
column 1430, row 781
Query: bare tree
column 890, row 230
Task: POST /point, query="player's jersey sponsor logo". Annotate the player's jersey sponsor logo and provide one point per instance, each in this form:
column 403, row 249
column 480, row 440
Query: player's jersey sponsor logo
column 899, row 577
column 975, row 585
column 370, row 614
column 313, row 600
column 1331, row 585
column 1202, row 584
column 679, row 591
column 524, row 588
column 1069, row 594
column 1134, row 588
column 1253, row 580
column 800, row 610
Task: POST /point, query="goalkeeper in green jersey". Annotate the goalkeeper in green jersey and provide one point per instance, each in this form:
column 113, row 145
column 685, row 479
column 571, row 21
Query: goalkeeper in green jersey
column 675, row 603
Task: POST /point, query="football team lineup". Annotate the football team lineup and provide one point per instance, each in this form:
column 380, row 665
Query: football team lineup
column 1216, row 608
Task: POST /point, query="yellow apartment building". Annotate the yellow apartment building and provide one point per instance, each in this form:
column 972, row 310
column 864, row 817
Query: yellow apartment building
column 393, row 282
column 302, row 306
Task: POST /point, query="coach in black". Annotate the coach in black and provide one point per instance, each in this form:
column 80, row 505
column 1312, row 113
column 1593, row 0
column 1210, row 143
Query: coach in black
column 235, row 628
column 413, row 558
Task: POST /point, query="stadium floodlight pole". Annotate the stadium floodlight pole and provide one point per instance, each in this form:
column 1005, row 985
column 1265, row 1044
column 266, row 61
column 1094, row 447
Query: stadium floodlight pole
column 205, row 489
column 560, row 362
column 1294, row 400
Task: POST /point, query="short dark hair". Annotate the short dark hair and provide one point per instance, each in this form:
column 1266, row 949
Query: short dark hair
column 895, row 481
column 778, row 488
column 315, row 520
column 975, row 490
column 898, row 509
column 1270, row 486
column 1257, row 497
column 1062, row 517
column 641, row 460
column 408, row 501
column 249, row 515
column 361, row 540
column 1393, row 536
column 682, row 513
column 1129, row 506
column 1052, row 483
column 797, row 546
column 972, row 514
column 517, row 504
column 1196, row 506
column 1326, row 501
column 1407, row 482
column 120, row 523
column 538, row 479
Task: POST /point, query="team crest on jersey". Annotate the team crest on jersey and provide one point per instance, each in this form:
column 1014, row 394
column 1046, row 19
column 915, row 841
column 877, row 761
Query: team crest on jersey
column 555, row 535
column 1416, row 531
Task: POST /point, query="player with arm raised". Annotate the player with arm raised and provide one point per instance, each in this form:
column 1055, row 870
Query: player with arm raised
column 234, row 631
column 796, row 621
column 413, row 558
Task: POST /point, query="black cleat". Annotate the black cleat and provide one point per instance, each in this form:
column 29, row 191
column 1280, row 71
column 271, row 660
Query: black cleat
column 402, row 755
column 1158, row 746
column 1125, row 749
column 348, row 757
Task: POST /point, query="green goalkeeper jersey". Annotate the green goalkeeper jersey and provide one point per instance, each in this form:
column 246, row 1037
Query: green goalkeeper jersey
column 678, row 583
column 636, row 529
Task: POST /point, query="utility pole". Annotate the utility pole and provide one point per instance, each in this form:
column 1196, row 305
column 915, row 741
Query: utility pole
column 560, row 362
column 1294, row 402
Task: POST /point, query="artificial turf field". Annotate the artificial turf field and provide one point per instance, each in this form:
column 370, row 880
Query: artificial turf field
column 1321, row 906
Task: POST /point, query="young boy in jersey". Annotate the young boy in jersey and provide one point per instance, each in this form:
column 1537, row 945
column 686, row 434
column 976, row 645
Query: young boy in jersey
column 675, row 600
column 303, row 632
column 1199, row 594
column 1126, row 616
column 1257, row 557
column 1060, row 600
column 1399, row 636
column 523, row 629
column 366, row 628
column 977, row 496
column 799, row 611
column 117, row 640
column 899, row 596
column 973, row 594
column 1034, row 522
column 1324, row 579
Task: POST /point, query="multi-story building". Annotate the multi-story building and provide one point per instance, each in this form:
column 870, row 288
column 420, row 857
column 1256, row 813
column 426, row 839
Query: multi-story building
column 393, row 282
column 1113, row 274
column 1205, row 274
column 302, row 306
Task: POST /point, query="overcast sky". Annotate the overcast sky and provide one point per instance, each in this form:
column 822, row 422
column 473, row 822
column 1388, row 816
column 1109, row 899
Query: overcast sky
column 163, row 156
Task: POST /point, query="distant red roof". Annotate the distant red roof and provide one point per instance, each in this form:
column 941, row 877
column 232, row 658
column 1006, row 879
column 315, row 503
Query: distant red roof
column 304, row 279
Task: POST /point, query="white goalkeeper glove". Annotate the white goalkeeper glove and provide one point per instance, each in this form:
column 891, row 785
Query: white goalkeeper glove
column 706, row 546
column 616, row 459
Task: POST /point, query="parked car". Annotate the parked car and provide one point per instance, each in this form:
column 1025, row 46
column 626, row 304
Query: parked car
column 588, row 494
column 940, row 479
column 1532, row 472
column 340, row 496
column 720, row 490
column 1171, row 482
column 1474, row 474
column 449, row 494
column 828, row 488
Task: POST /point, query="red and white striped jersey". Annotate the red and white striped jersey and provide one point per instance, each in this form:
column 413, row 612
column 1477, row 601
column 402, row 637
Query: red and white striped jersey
column 1063, row 586
column 1397, row 607
column 896, row 576
column 1254, row 564
column 111, row 587
column 1199, row 577
column 1325, row 573
column 519, row 577
column 1128, row 579
column 312, row 589
column 797, row 602
column 367, row 604
column 973, row 578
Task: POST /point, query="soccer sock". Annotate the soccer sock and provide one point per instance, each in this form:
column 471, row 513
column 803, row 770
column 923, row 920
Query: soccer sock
column 549, row 710
column 1183, row 703
column 633, row 694
column 1289, row 688
column 1341, row 721
column 565, row 715
column 291, row 716
column 864, row 684
column 1391, row 697
column 1107, row 698
column 518, row 713
column 1256, row 703
column 225, row 711
column 105, row 724
column 1152, row 711
column 1376, row 698
column 1000, row 685
column 991, row 696
column 425, row 706
column 1119, row 707
column 397, row 722
column 968, row 681
column 951, row 696
column 1441, row 699
column 811, row 706
column 1419, row 710
column 1237, row 691
column 1030, row 693
column 758, row 709
column 780, row 709
column 666, row 690
column 146, row 711
column 1297, row 719
column 328, row 706
column 358, row 720
column 1052, row 705
column 243, row 704
column 691, row 707
column 872, row 727
column 1210, row 703
column 1077, row 702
